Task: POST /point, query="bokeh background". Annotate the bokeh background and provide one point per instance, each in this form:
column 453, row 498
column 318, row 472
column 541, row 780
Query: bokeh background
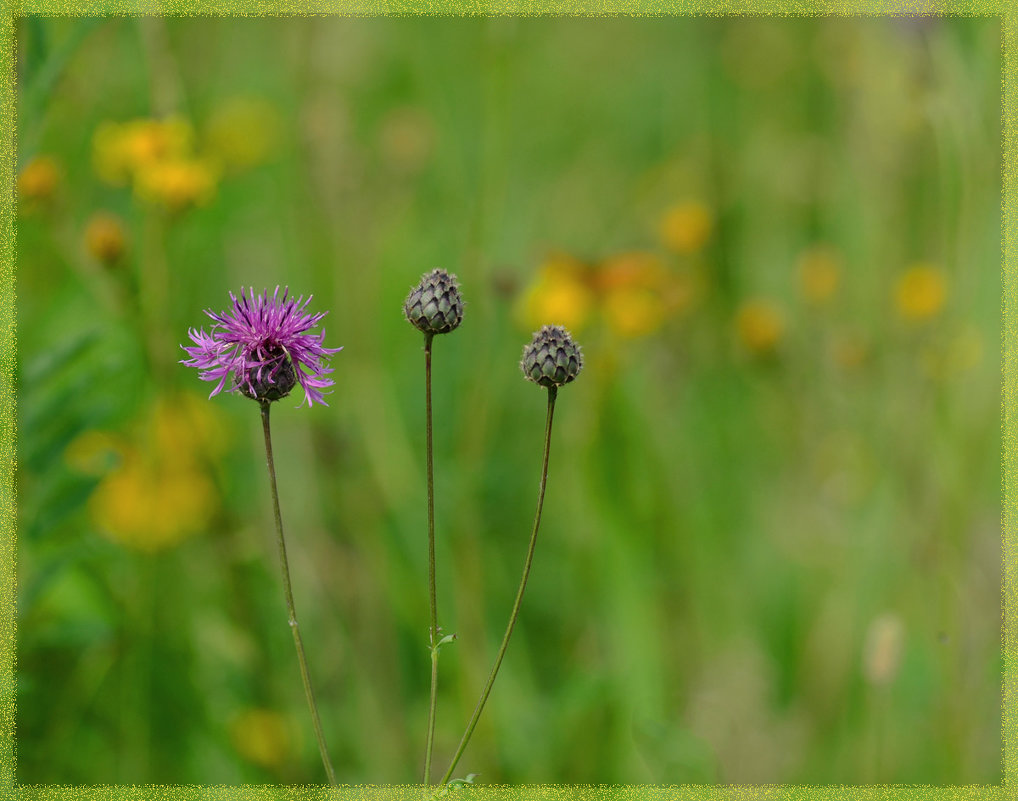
column 771, row 547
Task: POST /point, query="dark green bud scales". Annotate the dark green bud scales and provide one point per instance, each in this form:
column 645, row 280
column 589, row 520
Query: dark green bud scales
column 435, row 305
column 552, row 359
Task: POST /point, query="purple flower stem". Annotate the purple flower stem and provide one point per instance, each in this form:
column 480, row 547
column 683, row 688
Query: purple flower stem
column 288, row 593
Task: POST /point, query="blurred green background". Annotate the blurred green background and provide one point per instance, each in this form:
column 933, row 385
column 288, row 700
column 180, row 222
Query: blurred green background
column 771, row 547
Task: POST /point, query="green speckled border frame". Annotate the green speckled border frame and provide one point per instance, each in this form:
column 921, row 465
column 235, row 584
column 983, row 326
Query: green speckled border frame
column 1005, row 10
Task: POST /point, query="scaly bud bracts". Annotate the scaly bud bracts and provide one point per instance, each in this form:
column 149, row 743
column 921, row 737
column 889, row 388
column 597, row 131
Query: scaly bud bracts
column 552, row 359
column 435, row 305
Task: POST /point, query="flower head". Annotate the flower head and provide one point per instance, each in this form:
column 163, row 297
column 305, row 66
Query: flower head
column 551, row 359
column 262, row 345
column 435, row 305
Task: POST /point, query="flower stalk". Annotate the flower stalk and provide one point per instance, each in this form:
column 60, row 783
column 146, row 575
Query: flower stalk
column 432, row 593
column 514, row 615
column 288, row 593
column 434, row 306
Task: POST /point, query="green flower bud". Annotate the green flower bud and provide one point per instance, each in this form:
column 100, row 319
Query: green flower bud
column 435, row 305
column 552, row 359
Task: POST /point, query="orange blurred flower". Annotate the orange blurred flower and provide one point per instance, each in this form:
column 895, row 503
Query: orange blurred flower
column 634, row 293
column 631, row 291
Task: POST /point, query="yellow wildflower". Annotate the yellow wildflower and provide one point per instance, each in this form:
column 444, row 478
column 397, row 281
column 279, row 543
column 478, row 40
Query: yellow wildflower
column 634, row 269
column 243, row 131
column 261, row 736
column 39, row 178
column 560, row 295
column 632, row 285
column 178, row 183
column 920, row 293
column 120, row 150
column 161, row 493
column 634, row 311
column 686, row 227
column 760, row 326
column 151, row 507
column 105, row 239
column 819, row 274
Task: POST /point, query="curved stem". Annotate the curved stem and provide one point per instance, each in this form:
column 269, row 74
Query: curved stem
column 288, row 592
column 432, row 594
column 552, row 392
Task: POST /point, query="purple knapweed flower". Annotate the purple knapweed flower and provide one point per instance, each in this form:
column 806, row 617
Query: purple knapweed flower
column 262, row 343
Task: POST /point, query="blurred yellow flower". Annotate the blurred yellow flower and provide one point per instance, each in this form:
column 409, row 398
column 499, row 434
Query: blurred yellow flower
column 161, row 492
column 632, row 287
column 151, row 507
column 177, row 183
column 39, row 178
column 261, row 736
column 920, row 292
column 819, row 273
column 759, row 326
column 634, row 293
column 686, row 227
column 633, row 311
column 243, row 131
column 105, row 238
column 561, row 295
column 632, row 269
column 120, row 150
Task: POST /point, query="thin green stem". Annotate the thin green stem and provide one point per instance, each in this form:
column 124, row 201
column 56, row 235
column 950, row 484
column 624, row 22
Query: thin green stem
column 288, row 592
column 433, row 704
column 552, row 392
